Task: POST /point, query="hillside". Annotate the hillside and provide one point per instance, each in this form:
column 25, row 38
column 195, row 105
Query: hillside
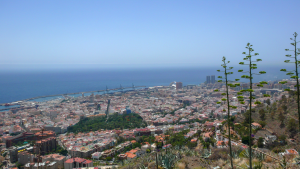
column 279, row 118
column 115, row 121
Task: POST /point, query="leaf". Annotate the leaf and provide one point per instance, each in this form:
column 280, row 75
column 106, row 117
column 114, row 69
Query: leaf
column 216, row 90
column 220, row 80
column 267, row 95
column 242, row 102
column 258, row 60
column 256, row 54
column 223, row 99
column 283, row 82
column 283, row 70
column 286, row 49
column 262, row 72
column 263, row 82
column 220, row 77
column 223, row 94
column 294, row 77
column 257, row 102
column 250, row 90
column 287, row 61
column 237, row 80
column 260, row 85
column 241, row 63
column 290, row 73
column 240, row 97
column 287, row 89
column 239, row 93
column 218, row 102
column 218, row 70
column 240, row 70
column 244, row 53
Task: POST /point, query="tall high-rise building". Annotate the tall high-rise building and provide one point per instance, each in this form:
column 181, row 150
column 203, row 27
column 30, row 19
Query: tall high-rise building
column 212, row 79
column 178, row 85
column 207, row 79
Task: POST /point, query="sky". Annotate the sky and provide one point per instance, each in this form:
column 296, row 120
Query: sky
column 169, row 33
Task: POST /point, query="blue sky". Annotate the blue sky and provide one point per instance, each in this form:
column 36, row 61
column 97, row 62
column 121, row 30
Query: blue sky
column 114, row 34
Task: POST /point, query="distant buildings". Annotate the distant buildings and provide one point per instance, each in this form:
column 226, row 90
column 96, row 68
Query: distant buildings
column 77, row 163
column 207, row 79
column 178, row 85
column 210, row 79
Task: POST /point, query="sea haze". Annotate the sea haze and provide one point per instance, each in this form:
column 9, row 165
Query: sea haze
column 18, row 85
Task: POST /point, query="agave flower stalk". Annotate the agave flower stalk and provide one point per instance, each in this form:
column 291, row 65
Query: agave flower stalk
column 227, row 83
column 252, row 66
column 293, row 72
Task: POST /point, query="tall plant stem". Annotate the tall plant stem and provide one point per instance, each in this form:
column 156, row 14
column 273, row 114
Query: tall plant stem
column 228, row 120
column 250, row 118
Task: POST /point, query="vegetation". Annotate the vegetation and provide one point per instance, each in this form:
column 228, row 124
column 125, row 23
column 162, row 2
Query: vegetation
column 115, row 121
column 226, row 73
column 60, row 150
column 252, row 66
column 292, row 73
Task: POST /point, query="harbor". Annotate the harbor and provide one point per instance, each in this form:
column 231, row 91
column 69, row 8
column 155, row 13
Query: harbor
column 8, row 106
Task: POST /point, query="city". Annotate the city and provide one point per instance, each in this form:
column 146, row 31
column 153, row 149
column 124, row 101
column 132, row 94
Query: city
column 46, row 136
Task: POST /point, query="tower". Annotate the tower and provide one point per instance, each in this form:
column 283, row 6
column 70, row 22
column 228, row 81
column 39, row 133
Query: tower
column 207, row 79
column 178, row 85
column 212, row 79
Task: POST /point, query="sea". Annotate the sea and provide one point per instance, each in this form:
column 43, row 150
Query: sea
column 19, row 85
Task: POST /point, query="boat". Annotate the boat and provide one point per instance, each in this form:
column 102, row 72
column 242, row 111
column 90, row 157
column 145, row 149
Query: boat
column 6, row 104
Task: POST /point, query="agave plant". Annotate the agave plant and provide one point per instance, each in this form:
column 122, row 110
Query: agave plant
column 205, row 153
column 141, row 166
column 297, row 159
column 167, row 160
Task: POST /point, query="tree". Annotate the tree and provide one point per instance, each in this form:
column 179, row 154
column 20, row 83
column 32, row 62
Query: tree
column 291, row 126
column 284, row 108
column 226, row 73
column 268, row 102
column 291, row 73
column 260, row 142
column 252, row 66
column 262, row 114
column 281, row 118
column 272, row 114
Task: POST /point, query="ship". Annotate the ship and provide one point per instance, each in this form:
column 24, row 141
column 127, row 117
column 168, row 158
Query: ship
column 6, row 104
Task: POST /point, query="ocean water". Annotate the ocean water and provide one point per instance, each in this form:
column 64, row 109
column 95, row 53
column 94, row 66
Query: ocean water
column 15, row 86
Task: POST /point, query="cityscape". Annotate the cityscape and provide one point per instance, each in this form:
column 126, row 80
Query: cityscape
column 45, row 135
column 170, row 84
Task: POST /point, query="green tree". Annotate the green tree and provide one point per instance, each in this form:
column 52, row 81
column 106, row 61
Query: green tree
column 260, row 142
column 262, row 114
column 252, row 66
column 292, row 73
column 227, row 71
column 291, row 126
column 281, row 118
column 268, row 102
column 284, row 108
